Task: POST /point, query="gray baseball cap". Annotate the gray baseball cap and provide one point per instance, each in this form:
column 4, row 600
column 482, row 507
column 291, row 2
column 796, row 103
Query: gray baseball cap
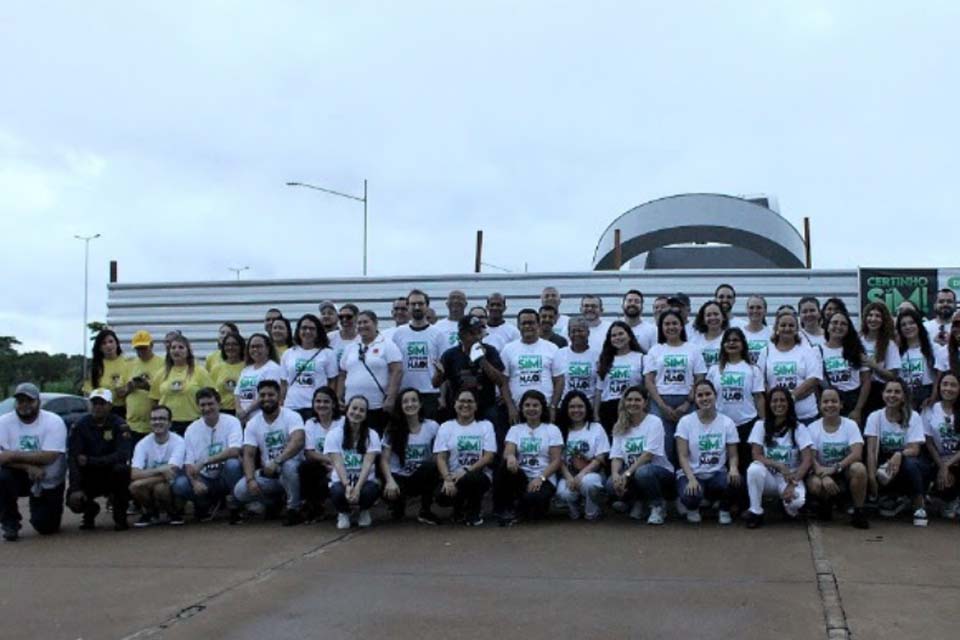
column 27, row 389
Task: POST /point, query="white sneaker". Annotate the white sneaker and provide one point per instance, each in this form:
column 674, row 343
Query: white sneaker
column 636, row 511
column 723, row 517
column 681, row 508
column 920, row 517
column 573, row 510
column 656, row 515
column 950, row 509
column 365, row 519
column 343, row 521
column 693, row 517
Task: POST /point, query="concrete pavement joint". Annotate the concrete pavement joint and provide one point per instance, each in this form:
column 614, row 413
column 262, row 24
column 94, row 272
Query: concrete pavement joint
column 264, row 574
column 833, row 614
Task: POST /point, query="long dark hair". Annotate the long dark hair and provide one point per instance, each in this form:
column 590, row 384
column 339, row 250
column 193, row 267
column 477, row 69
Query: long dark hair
column 96, row 367
column 286, row 322
column 744, row 347
column 700, row 322
column 851, row 345
column 906, row 409
column 922, row 336
column 661, row 339
column 330, row 393
column 398, row 430
column 956, row 401
column 838, row 303
column 271, row 349
column 363, row 432
column 790, row 421
column 240, row 341
column 953, row 348
column 563, row 413
column 885, row 334
column 608, row 352
column 321, row 342
column 539, row 397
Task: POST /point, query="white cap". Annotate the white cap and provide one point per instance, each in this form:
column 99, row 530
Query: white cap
column 104, row 394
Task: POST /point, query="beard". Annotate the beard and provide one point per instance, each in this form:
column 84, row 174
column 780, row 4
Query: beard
column 632, row 311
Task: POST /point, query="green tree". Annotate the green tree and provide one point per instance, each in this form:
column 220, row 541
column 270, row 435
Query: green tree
column 8, row 363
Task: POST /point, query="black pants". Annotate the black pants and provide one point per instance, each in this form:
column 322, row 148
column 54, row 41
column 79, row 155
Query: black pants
column 609, row 412
column 101, row 481
column 314, row 487
column 744, row 458
column 848, row 401
column 368, row 495
column 46, row 509
column 422, row 482
column 510, row 492
column 470, row 490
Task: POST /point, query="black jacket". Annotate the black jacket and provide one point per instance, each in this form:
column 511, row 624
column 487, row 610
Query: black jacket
column 106, row 448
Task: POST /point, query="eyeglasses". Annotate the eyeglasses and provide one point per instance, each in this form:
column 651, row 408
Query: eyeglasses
column 346, row 316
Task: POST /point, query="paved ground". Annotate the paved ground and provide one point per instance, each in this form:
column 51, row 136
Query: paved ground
column 554, row 579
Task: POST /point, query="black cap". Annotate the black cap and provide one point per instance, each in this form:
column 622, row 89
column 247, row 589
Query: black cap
column 466, row 323
column 679, row 298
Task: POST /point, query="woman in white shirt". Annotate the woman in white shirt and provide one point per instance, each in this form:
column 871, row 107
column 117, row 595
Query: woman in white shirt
column 371, row 366
column 837, row 455
column 620, row 366
column 811, row 322
column 261, row 365
column 710, row 324
column 316, row 466
column 918, row 367
column 532, row 456
column 584, row 457
column 781, row 458
column 894, row 436
column 308, row 365
column 943, row 442
column 879, row 338
column 756, row 330
column 845, row 367
column 407, row 464
column 353, row 448
column 794, row 365
column 640, row 472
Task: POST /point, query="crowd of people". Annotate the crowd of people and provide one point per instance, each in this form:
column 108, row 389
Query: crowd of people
column 682, row 415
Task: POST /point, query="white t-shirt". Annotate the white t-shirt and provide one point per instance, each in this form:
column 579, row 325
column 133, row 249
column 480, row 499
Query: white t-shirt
column 831, row 448
column 891, row 359
column 419, row 449
column 790, row 369
column 447, row 334
column 338, row 344
column 812, row 340
column 352, row 459
column 893, row 437
column 500, row 336
column 675, row 367
column 150, row 454
column 315, row 434
column 202, row 442
column 757, row 342
column 560, row 326
column 583, row 445
column 839, row 370
column 46, row 433
column 530, row 366
column 914, row 369
column 271, row 437
column 305, row 371
column 626, row 371
column 379, row 354
column 419, row 352
column 933, row 327
column 465, row 444
column 639, row 439
column 579, row 370
column 646, row 335
column 533, row 447
column 942, row 429
column 246, row 389
column 736, row 386
column 784, row 449
column 598, row 334
column 709, row 348
column 707, row 442
column 941, row 358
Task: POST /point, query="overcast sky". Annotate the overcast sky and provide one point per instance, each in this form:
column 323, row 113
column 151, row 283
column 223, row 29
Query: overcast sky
column 171, row 128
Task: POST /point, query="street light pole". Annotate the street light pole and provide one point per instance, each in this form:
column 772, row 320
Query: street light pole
column 86, row 295
column 344, row 195
column 238, row 270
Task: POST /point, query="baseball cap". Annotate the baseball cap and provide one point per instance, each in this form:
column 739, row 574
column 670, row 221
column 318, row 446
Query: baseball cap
column 27, row 389
column 467, row 323
column 103, row 394
column 142, row 339
column 681, row 297
column 328, row 304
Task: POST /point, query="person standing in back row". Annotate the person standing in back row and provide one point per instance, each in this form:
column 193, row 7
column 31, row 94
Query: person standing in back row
column 530, row 364
column 419, row 342
column 371, row 367
column 645, row 332
column 499, row 333
column 550, row 297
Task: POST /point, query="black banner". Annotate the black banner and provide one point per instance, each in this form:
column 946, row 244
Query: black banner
column 894, row 286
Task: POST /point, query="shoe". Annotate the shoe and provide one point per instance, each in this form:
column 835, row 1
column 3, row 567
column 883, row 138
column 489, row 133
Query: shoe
column 724, row 517
column 89, row 523
column 859, row 519
column 507, row 518
column 636, row 511
column 364, row 519
column 121, row 525
column 573, row 510
column 343, row 521
column 146, row 520
column 920, row 517
column 891, row 508
column 11, row 534
column 474, row 520
column 950, row 509
column 133, row 509
column 235, row 517
column 292, row 518
column 619, row 506
column 427, row 517
column 693, row 517
column 681, row 508
column 656, row 515
column 754, row 520
column 176, row 519
column 90, row 516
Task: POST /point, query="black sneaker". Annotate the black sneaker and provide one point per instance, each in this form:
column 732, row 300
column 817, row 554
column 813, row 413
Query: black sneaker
column 753, row 520
column 859, row 519
column 427, row 517
column 292, row 518
column 89, row 522
column 176, row 519
column 121, row 525
column 825, row 511
column 398, row 509
column 474, row 520
column 11, row 534
column 506, row 518
column 235, row 517
column 146, row 520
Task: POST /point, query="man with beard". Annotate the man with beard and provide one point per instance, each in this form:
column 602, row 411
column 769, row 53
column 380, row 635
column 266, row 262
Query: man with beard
column 938, row 327
column 726, row 297
column 447, row 328
column 645, row 332
column 32, row 463
column 591, row 308
column 499, row 332
column 550, row 297
column 418, row 343
column 548, row 318
column 472, row 365
column 530, row 363
column 99, row 450
column 277, row 433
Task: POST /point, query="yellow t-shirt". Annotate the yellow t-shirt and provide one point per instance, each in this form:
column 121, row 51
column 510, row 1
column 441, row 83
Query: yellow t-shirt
column 138, row 402
column 178, row 390
column 212, row 361
column 115, row 377
column 225, row 376
column 281, row 349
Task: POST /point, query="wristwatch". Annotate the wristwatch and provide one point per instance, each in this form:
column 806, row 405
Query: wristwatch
column 838, row 468
column 542, row 479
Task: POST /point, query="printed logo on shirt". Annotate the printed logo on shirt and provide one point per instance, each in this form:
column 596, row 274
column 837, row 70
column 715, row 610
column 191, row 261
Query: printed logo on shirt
column 837, row 370
column 308, row 372
column 230, row 385
column 778, row 453
column 633, row 448
column 675, row 369
column 248, row 387
column 176, row 386
column 319, row 445
column 834, row 452
column 275, row 442
column 731, row 387
column 416, row 454
column 913, row 369
column 29, row 443
column 353, row 462
column 579, row 376
column 619, row 379
column 215, row 448
column 417, row 356
column 711, row 356
column 711, row 445
column 785, row 374
column 116, row 379
column 529, row 445
column 576, row 452
column 469, row 449
column 891, row 441
column 531, row 369
column 529, row 452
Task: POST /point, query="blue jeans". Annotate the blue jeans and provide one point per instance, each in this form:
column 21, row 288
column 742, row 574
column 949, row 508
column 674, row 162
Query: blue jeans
column 217, row 488
column 273, row 489
column 651, row 483
column 916, row 474
column 669, row 427
column 368, row 495
column 712, row 487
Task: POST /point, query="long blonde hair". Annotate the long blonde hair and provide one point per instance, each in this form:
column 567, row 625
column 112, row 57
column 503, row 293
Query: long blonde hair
column 623, row 422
